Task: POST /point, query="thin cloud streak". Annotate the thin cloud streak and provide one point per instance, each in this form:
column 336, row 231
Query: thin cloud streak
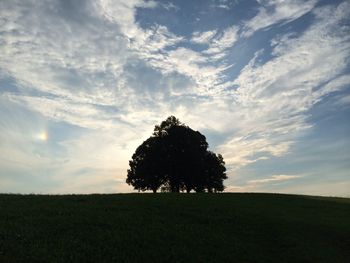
column 274, row 178
column 283, row 12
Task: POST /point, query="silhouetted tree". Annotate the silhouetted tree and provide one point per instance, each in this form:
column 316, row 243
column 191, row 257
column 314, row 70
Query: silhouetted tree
column 147, row 166
column 176, row 158
column 215, row 172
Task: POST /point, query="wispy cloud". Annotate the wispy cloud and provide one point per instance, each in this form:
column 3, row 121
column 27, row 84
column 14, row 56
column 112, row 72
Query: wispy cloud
column 170, row 6
column 274, row 178
column 273, row 98
column 217, row 42
column 224, row 4
column 278, row 181
column 223, row 41
column 203, row 37
column 276, row 11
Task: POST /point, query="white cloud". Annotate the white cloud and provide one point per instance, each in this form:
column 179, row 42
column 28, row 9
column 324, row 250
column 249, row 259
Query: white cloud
column 241, row 151
column 218, row 42
column 336, row 84
column 203, row 37
column 274, row 178
column 332, row 188
column 277, row 11
column 123, row 13
column 344, row 100
column 170, row 6
column 84, row 162
column 224, row 4
column 273, row 98
column 140, row 40
column 223, row 41
column 196, row 65
column 314, row 183
column 282, row 182
column 84, row 114
column 68, row 72
column 77, row 65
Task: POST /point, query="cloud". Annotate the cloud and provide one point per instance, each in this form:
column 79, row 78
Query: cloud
column 273, row 98
column 332, row 188
column 282, row 182
column 144, row 41
column 295, row 184
column 274, row 178
column 203, row 37
column 170, row 6
column 344, row 100
column 336, row 84
column 223, row 41
column 56, row 164
column 224, row 4
column 263, row 92
column 217, row 42
column 277, row 11
column 77, row 81
column 84, row 114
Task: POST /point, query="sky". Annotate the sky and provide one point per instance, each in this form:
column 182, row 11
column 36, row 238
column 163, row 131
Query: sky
column 84, row 82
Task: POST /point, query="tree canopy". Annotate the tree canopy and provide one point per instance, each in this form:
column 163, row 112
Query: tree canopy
column 176, row 158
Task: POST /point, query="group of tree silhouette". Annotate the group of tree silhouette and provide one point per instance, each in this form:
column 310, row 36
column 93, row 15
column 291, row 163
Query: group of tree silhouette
column 176, row 158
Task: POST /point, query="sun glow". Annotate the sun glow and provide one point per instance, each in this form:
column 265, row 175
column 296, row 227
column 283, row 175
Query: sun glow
column 43, row 136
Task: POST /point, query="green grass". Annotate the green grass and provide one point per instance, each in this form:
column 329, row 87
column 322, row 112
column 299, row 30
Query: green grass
column 174, row 228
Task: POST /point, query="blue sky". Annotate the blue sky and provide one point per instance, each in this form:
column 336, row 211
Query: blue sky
column 82, row 84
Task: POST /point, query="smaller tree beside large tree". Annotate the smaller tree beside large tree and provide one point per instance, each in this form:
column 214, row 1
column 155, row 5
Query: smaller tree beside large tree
column 176, row 157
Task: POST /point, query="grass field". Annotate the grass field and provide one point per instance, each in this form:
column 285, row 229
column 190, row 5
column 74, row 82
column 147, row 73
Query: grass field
column 174, row 228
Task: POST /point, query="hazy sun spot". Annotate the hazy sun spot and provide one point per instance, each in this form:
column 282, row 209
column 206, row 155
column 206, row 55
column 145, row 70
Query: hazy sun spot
column 43, row 136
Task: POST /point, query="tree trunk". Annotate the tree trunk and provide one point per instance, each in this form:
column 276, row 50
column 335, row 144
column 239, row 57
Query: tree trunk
column 154, row 191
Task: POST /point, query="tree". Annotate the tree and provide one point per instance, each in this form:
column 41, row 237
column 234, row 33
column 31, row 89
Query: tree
column 146, row 171
column 215, row 172
column 176, row 157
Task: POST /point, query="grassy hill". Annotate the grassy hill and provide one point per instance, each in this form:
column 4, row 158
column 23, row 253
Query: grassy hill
column 174, row 228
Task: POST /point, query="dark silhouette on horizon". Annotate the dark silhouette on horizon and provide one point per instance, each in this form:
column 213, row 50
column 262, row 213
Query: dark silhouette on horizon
column 176, row 158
